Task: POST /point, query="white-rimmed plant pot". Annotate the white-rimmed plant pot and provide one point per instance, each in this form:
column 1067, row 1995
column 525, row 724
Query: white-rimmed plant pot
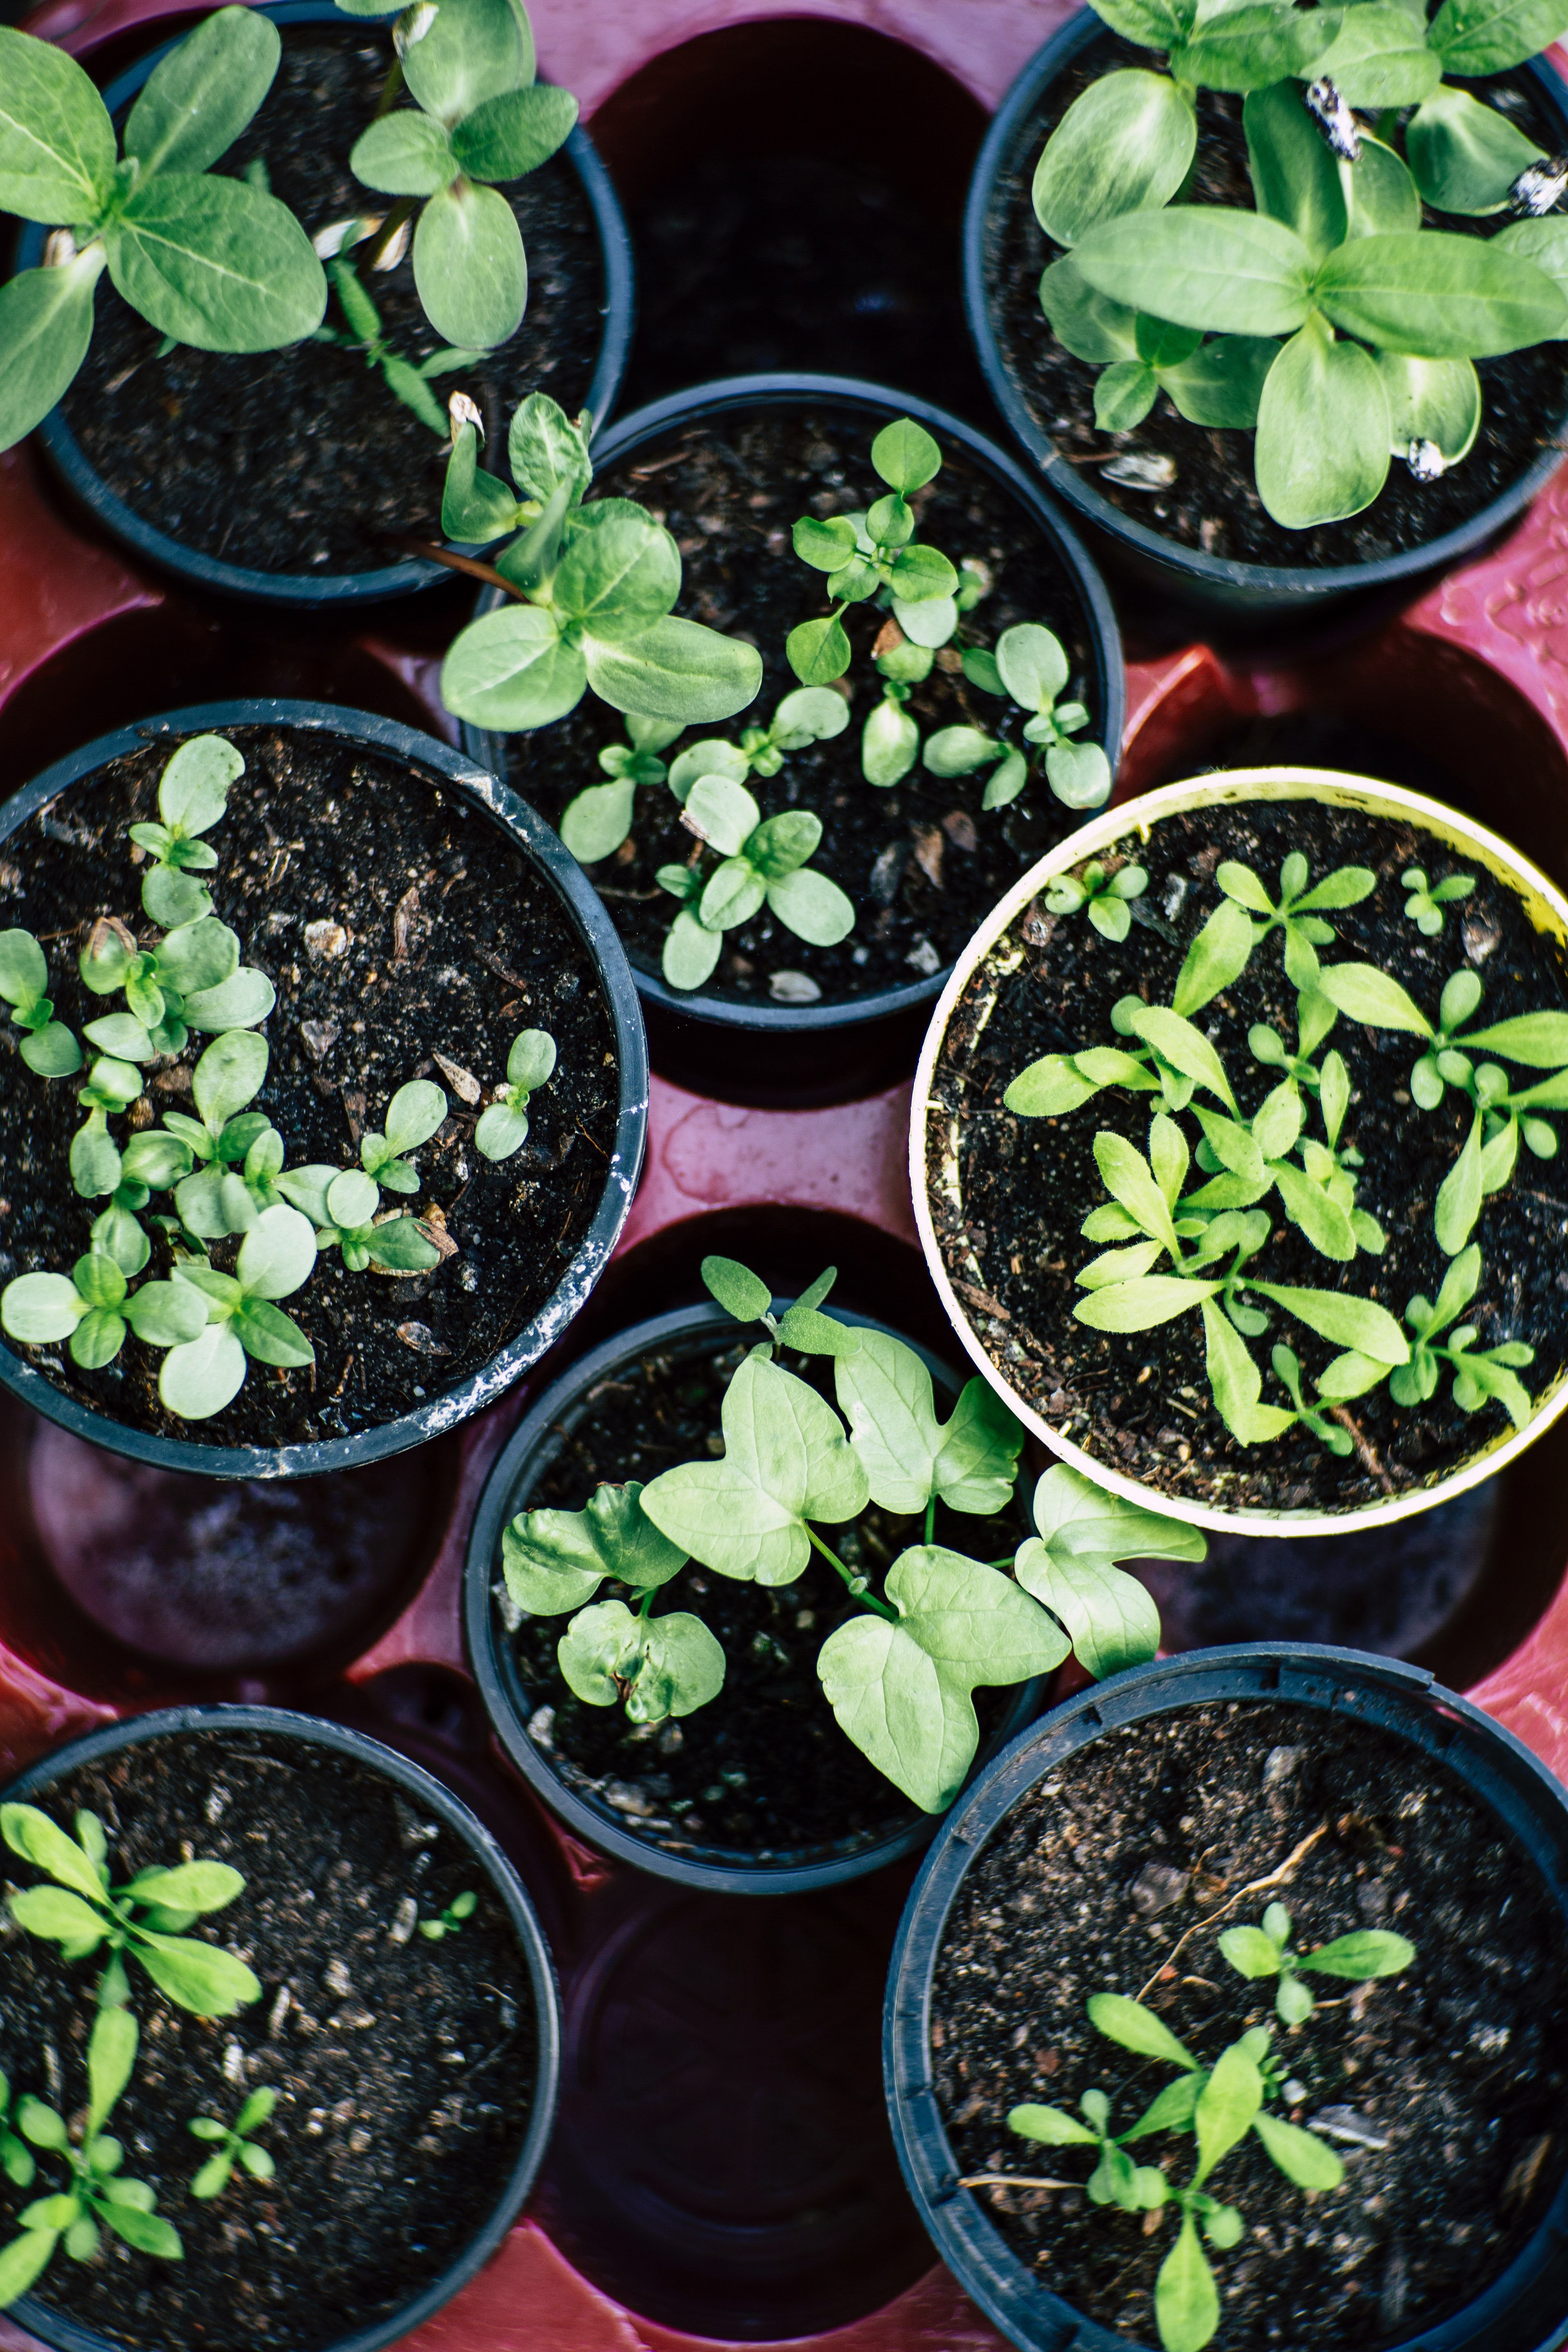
column 935, row 1123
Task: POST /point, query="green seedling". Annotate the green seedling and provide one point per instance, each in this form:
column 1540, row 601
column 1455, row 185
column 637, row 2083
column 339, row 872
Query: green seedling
column 1479, row 1373
column 90, row 1308
column 199, row 1378
column 406, row 383
column 594, row 587
column 764, row 862
column 900, row 1672
column 192, row 794
column 342, row 1205
column 502, row 1129
column 479, row 117
column 192, row 979
column 239, row 1151
column 449, row 1920
column 100, row 2195
column 143, row 1920
column 597, row 821
column 413, row 1116
column 207, row 259
column 1104, row 895
column 1265, row 1951
column 1299, row 911
column 876, row 554
column 1030, row 665
column 1424, row 906
column 48, row 1046
column 111, row 1087
column 234, row 2144
column 15, row 2158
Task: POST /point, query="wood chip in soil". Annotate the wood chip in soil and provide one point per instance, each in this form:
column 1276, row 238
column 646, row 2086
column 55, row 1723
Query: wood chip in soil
column 438, row 936
column 406, row 2068
column 922, row 860
column 1011, row 1242
column 1441, row 2089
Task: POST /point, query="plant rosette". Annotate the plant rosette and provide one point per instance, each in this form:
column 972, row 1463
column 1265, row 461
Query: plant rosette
column 298, row 1190
column 265, row 2055
column 1152, row 435
column 351, row 125
column 1193, row 1981
column 769, row 1665
column 940, row 672
column 1278, row 1283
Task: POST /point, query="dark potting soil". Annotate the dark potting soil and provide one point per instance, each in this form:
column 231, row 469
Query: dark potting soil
column 406, row 2068
column 1445, row 2084
column 763, row 1771
column 921, row 861
column 1211, row 503
column 301, row 460
column 439, row 939
column 1012, row 1244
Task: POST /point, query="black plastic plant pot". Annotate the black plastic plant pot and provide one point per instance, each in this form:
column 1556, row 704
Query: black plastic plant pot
column 1214, row 587
column 338, row 592
column 583, row 913
column 538, row 1440
column 794, row 1052
column 1522, row 2308
column 432, row 1802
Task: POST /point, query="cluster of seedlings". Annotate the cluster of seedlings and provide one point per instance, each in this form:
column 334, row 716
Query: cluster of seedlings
column 224, row 1170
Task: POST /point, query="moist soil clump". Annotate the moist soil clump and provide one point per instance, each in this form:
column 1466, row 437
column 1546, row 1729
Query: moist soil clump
column 1212, row 501
column 763, row 1771
column 1011, row 1240
column 398, row 924
column 1444, row 2081
column 301, row 460
column 406, row 2068
column 922, row 860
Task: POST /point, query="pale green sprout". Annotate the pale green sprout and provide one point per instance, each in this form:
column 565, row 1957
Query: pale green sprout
column 95, row 1161
column 1425, row 902
column 48, row 1046
column 1030, row 665
column 199, row 1378
column 1265, row 1951
column 877, row 554
column 413, row 1116
column 479, row 116
column 900, row 1673
column 192, row 794
column 763, row 862
column 207, row 259
column 193, row 979
column 92, row 1309
column 239, row 1152
column 449, row 1919
column 1479, row 1373
column 234, row 2144
column 100, row 2194
column 82, row 1912
column 594, row 589
column 16, row 2158
column 503, row 1127
column 1105, row 894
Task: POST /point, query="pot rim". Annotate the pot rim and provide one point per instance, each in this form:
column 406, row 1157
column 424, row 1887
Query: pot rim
column 32, row 2312
column 582, row 909
column 1548, row 908
column 509, row 1729
column 310, row 591
column 1496, row 1767
column 1297, row 582
column 791, row 389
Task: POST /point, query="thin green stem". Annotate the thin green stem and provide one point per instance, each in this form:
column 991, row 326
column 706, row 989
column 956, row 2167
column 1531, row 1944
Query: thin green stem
column 879, row 1607
column 390, row 90
column 646, row 1602
column 930, row 1518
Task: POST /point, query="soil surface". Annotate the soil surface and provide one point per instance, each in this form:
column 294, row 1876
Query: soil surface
column 1141, row 1402
column 301, row 460
column 440, row 940
column 763, row 1772
column 1212, row 502
column 1441, row 2089
column 406, row 2068
column 921, row 861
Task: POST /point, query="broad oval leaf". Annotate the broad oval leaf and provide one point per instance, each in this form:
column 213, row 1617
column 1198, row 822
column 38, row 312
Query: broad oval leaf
column 1383, row 199
column 675, row 670
column 192, row 790
column 1034, row 669
column 471, row 51
column 1372, row 997
column 691, row 952
column 1053, row 2126
column 413, row 1114
column 1084, row 321
column 1140, row 1304
column 406, row 154
column 228, row 1075
column 1080, row 1521
column 1187, row 2300
column 1226, row 2105
column 1124, row 146
column 512, row 135
column 200, row 1376
column 201, row 1977
column 1488, row 36
column 1222, row 384
column 1218, row 956
column 1464, row 155
column 196, row 102
column 217, row 264
column 190, row 1886
column 45, row 325
column 39, row 1308
column 1366, row 1952
column 1203, row 265
column 246, row 997
column 1246, row 47
column 905, row 455
column 1251, row 1952
column 274, row 1337
column 56, row 142
column 468, row 262
column 1323, row 445
column 1544, row 242
column 512, row 670
column 682, row 1668
column 1128, row 2023
column 1360, row 1324
column 277, row 1253
column 166, row 1314
column 1295, row 177
column 1381, row 57
column 813, row 906
column 1435, row 296
column 1432, row 400
column 28, row 1832
column 620, row 573
column 1300, row 2155
column 595, row 825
